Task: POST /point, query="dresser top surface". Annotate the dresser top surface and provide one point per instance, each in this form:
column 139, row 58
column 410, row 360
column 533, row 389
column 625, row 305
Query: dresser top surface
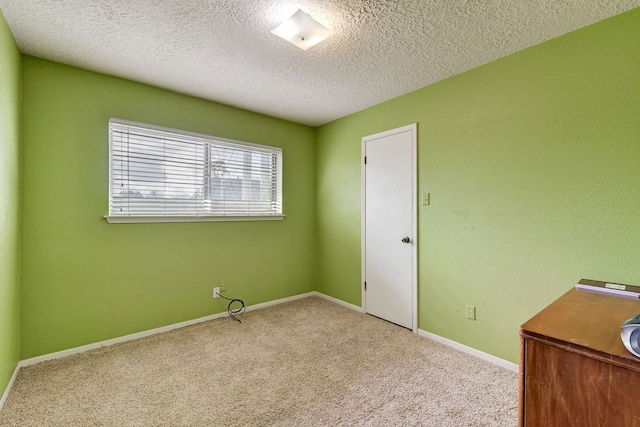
column 586, row 319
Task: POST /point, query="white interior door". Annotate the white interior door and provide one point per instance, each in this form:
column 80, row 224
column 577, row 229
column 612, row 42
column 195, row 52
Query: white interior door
column 389, row 226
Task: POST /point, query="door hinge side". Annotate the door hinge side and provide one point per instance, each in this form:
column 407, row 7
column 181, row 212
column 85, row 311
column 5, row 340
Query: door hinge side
column 365, row 286
column 365, row 160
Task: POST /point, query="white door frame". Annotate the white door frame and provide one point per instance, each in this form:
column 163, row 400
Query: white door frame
column 414, row 215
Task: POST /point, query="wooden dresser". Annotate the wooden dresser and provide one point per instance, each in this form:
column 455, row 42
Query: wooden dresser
column 574, row 369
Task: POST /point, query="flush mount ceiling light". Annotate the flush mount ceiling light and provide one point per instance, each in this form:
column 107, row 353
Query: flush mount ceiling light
column 302, row 30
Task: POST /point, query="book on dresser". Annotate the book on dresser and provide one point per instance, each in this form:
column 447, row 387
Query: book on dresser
column 629, row 291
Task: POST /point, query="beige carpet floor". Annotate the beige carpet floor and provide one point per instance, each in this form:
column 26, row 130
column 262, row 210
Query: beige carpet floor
column 309, row 362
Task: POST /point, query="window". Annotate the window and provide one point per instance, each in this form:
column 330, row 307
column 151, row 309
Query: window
column 166, row 175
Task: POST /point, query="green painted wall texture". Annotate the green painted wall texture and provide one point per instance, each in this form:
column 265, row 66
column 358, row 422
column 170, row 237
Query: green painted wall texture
column 84, row 280
column 10, row 85
column 533, row 165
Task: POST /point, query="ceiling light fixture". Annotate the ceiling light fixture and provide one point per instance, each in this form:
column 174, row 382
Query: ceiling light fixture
column 302, row 30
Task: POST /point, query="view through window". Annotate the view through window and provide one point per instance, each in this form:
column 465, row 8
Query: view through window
column 160, row 172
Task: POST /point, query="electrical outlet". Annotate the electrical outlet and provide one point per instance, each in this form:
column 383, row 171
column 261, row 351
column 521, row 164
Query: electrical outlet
column 223, row 286
column 471, row 312
column 216, row 292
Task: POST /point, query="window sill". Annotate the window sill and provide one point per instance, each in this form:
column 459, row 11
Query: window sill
column 116, row 219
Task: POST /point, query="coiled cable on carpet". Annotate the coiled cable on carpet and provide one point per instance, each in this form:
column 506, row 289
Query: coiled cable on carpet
column 232, row 312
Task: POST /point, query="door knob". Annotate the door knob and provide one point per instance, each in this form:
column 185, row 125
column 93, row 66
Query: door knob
column 406, row 239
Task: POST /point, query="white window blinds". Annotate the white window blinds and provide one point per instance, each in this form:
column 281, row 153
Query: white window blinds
column 167, row 173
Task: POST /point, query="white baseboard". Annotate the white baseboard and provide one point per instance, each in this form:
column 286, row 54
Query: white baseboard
column 470, row 350
column 276, row 302
column 337, row 301
column 7, row 390
column 137, row 335
column 453, row 344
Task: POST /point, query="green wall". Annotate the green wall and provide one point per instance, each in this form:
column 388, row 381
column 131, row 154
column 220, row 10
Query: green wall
column 533, row 165
column 10, row 84
column 84, row 280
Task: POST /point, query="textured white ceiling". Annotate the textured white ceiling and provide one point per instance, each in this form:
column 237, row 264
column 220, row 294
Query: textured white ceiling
column 223, row 50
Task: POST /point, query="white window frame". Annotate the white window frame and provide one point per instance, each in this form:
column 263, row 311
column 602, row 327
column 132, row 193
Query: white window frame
column 196, row 216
